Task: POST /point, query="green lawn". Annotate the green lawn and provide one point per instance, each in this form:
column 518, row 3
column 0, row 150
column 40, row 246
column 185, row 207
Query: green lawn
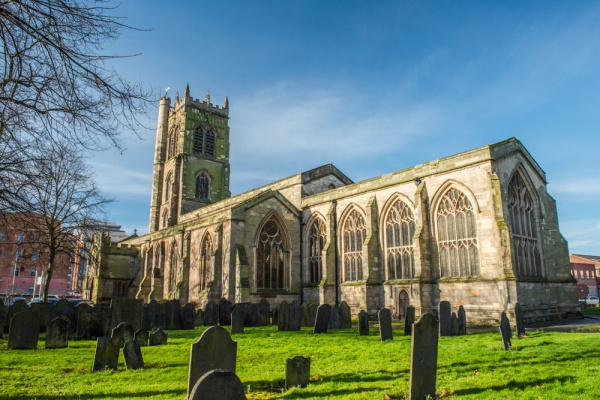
column 344, row 366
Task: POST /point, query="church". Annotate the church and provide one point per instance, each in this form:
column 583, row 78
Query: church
column 477, row 229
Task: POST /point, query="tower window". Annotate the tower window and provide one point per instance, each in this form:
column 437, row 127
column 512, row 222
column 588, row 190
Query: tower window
column 172, row 143
column 204, row 141
column 203, row 186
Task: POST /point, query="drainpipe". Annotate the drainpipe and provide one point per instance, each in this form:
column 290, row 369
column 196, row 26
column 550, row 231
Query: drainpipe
column 335, row 253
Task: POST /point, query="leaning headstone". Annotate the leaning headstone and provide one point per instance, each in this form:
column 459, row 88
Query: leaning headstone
column 334, row 319
column 133, row 355
column 237, row 320
column 141, row 337
column 154, row 316
column 297, row 371
column 462, row 321
column 214, row 350
column 283, row 316
column 123, row 332
column 199, row 320
column 295, row 316
column 423, row 360
column 24, row 331
column 454, row 325
column 409, row 320
column 305, row 315
column 218, row 384
column 363, row 323
column 188, row 315
column 385, row 324
column 345, row 316
column 519, row 320
column 157, row 338
column 322, row 320
column 211, row 314
column 107, row 354
column 264, row 312
column 224, row 312
column 57, row 333
column 445, row 318
column 173, row 315
column 505, row 331
column 312, row 313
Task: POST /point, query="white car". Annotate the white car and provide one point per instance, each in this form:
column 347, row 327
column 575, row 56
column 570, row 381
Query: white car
column 592, row 300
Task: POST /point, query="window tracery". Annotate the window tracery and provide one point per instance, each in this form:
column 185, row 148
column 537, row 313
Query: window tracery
column 457, row 235
column 270, row 257
column 204, row 141
column 203, row 186
column 354, row 234
column 399, row 231
column 172, row 144
column 316, row 240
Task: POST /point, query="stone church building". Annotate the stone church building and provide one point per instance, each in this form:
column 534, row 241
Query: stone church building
column 477, row 229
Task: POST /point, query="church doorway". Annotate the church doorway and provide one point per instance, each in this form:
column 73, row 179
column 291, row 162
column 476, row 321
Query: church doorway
column 403, row 303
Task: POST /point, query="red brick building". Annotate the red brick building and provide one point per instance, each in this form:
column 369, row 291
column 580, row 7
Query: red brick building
column 586, row 269
column 23, row 257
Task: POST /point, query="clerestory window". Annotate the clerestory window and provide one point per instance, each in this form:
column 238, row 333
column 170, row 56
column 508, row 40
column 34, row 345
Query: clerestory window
column 399, row 250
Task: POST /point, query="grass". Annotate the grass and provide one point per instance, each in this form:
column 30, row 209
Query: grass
column 543, row 365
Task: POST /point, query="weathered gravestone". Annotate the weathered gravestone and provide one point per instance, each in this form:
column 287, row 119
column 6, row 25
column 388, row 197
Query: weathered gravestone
column 218, row 384
column 297, row 371
column 188, row 315
column 141, row 337
column 322, row 320
column 275, row 317
column 462, row 321
column 519, row 320
column 345, row 316
column 363, row 323
column 43, row 311
column 57, row 333
column 445, row 318
column 295, row 316
column 65, row 309
column 423, row 360
column 127, row 310
column 385, row 324
column 17, row 307
column 122, row 333
column 283, row 316
column 254, row 315
column 214, row 350
column 157, row 338
column 264, row 313
column 199, row 321
column 154, row 316
column 24, row 331
column 224, row 312
column 334, row 319
column 505, row 331
column 107, row 354
column 305, row 315
column 173, row 315
column 312, row 313
column 89, row 324
column 454, row 325
column 237, row 320
column 211, row 314
column 133, row 355
column 409, row 320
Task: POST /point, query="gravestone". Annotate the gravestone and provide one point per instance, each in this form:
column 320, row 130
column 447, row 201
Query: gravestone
column 275, row 318
column 345, row 316
column 43, row 311
column 305, row 315
column 297, row 371
column 122, row 333
column 218, row 384
column 24, row 331
column 462, row 321
column 57, row 333
column 17, row 307
column 385, row 324
column 214, row 350
column 312, row 313
column 454, row 325
column 283, row 316
column 65, row 309
column 173, row 315
column 157, row 338
column 211, row 314
column 127, row 310
column 264, row 313
column 188, row 315
column 3, row 316
column 154, row 316
column 199, row 321
column 295, row 316
column 409, row 320
column 334, row 319
column 237, row 320
column 224, row 312
column 104, row 314
column 423, row 360
column 519, row 320
column 322, row 320
column 88, row 324
column 133, row 355
column 363, row 323
column 107, row 354
column 445, row 318
column 254, row 315
column 141, row 337
column 505, row 331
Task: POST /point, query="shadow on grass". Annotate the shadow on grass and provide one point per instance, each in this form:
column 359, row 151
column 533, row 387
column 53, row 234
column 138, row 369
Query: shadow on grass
column 139, row 395
column 512, row 384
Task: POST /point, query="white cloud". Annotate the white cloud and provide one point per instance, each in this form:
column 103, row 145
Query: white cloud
column 118, row 180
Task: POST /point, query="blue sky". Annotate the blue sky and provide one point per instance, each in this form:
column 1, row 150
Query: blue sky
column 373, row 87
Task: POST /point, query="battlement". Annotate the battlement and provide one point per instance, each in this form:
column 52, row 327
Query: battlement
column 197, row 105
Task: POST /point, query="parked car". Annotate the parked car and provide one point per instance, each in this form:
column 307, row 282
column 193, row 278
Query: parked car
column 51, row 300
column 9, row 301
column 76, row 301
column 592, row 300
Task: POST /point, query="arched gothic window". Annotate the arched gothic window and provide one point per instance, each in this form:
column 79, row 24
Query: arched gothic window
column 206, row 255
column 457, row 235
column 354, row 232
column 523, row 229
column 317, row 236
column 172, row 143
column 399, row 250
column 204, row 141
column 203, row 186
column 165, row 218
column 168, row 186
column 173, row 261
column 271, row 272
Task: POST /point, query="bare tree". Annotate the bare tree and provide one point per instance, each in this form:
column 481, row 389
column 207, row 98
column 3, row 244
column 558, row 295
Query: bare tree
column 58, row 199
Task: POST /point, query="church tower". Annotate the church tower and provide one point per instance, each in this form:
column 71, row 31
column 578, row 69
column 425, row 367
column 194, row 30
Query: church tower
column 191, row 158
